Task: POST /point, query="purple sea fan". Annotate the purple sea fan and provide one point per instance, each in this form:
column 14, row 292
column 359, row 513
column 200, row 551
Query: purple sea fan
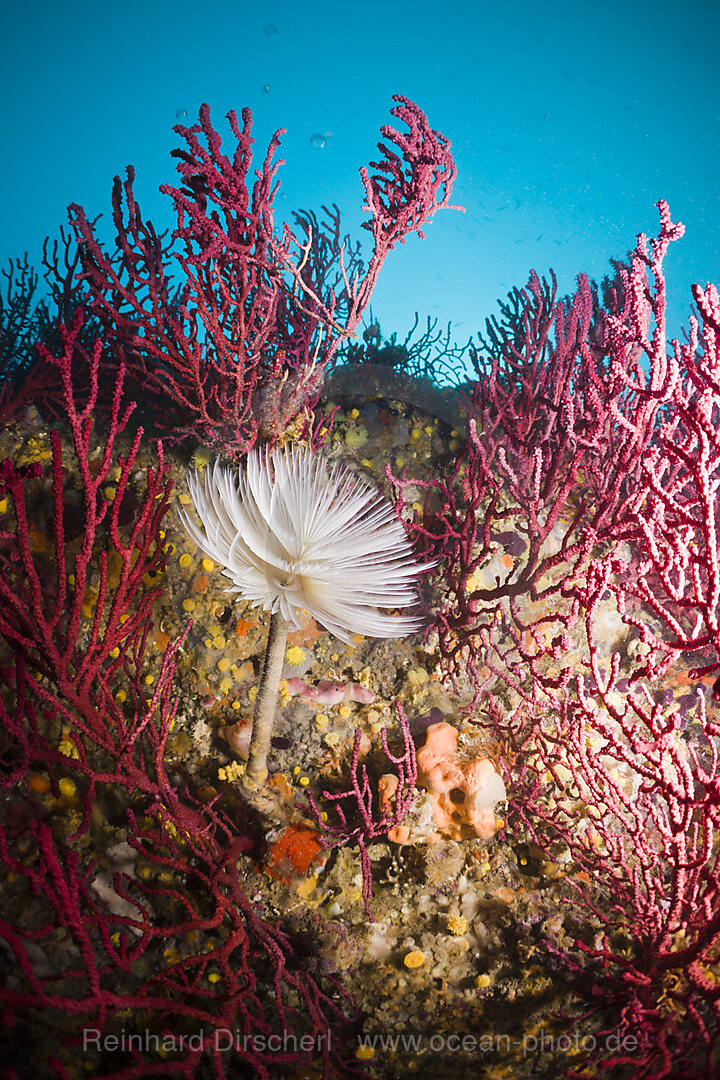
column 294, row 532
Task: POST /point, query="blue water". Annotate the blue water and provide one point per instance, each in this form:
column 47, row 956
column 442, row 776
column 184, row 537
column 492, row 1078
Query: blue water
column 568, row 122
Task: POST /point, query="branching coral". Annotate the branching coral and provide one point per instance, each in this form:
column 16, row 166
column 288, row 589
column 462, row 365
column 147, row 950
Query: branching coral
column 579, row 533
column 229, row 324
column 177, row 943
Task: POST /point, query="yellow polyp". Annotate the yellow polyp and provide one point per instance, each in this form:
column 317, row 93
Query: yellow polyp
column 344, row 711
column 184, row 498
column 364, row 1053
column 304, row 781
column 201, row 458
column 120, row 696
column 294, row 655
column 213, row 977
column 219, row 641
column 109, row 493
column 458, row 925
column 414, row 959
column 69, row 749
column 3, row 506
column 225, row 685
column 234, row 771
column 188, row 605
column 483, row 981
column 223, row 663
column 321, row 722
column 149, row 680
column 68, row 787
column 207, row 565
column 356, row 437
column 185, row 560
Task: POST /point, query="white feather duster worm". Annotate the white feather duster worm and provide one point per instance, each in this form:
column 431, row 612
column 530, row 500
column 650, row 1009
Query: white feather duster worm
column 293, row 532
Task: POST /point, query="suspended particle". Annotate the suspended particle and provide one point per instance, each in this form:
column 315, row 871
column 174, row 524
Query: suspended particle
column 270, row 30
column 318, row 141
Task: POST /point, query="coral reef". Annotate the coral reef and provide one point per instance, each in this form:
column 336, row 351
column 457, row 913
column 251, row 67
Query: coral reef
column 228, row 328
column 579, row 539
column 386, row 923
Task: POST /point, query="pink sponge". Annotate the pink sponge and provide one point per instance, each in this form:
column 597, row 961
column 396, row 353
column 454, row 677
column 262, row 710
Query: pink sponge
column 464, row 793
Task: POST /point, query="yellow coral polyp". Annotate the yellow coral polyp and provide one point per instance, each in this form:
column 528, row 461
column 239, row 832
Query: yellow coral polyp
column 295, row 655
column 414, row 959
column 201, row 458
column 458, row 925
column 232, row 772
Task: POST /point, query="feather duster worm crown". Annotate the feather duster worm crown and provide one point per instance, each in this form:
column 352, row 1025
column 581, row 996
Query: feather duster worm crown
column 293, row 532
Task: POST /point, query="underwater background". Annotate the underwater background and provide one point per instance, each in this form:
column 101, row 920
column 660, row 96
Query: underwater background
column 279, row 833
column 568, row 122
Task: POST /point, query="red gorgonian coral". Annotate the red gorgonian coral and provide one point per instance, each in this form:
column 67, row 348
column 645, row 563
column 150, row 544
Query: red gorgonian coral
column 228, row 328
column 578, row 533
